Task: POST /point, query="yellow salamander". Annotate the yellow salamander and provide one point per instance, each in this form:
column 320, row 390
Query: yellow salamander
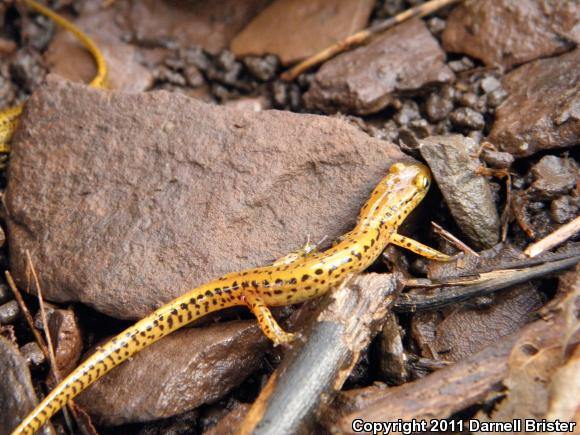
column 9, row 116
column 295, row 278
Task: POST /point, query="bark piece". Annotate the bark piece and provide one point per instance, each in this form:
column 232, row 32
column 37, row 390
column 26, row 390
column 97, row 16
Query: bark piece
column 126, row 201
column 17, row 396
column 543, row 107
column 296, row 29
column 314, row 371
column 512, row 32
column 467, row 194
column 369, row 78
column 181, row 372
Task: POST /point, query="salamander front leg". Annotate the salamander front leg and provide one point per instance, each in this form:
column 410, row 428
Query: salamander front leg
column 419, row 248
column 266, row 320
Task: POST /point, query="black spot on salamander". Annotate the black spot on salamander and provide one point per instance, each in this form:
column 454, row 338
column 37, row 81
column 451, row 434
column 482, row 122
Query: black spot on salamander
column 227, row 290
column 214, row 301
column 161, row 327
column 235, row 285
column 292, row 281
column 372, row 242
column 192, row 301
column 305, row 288
column 289, row 297
column 408, row 244
column 174, row 312
column 366, row 248
column 305, row 277
column 318, row 271
column 200, row 296
column 267, row 293
column 266, row 283
column 189, row 316
column 245, row 284
column 279, row 282
column 277, row 292
column 294, row 290
column 180, row 318
column 218, row 291
column 209, row 294
column 183, row 306
column 322, row 281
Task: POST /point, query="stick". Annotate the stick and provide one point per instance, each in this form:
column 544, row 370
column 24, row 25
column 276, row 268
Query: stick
column 452, row 239
column 316, row 368
column 363, row 36
column 559, row 236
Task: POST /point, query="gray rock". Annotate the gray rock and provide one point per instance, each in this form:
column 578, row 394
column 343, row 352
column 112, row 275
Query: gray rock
column 183, row 371
column 369, row 78
column 126, row 201
column 17, row 397
column 9, row 312
column 467, row 194
column 512, row 32
column 543, row 107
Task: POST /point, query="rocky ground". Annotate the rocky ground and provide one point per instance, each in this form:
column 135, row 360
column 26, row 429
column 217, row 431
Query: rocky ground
column 124, row 199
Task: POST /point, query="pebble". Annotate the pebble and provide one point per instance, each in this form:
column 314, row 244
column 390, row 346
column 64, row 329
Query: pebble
column 33, row 354
column 9, row 312
column 438, row 107
column 497, row 159
column 553, row 176
column 262, row 68
column 467, row 118
column 564, row 209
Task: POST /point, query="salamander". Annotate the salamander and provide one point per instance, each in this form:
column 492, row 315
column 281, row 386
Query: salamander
column 297, row 277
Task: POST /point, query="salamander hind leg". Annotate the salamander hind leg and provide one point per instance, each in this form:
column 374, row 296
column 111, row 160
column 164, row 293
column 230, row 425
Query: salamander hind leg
column 419, row 248
column 268, row 324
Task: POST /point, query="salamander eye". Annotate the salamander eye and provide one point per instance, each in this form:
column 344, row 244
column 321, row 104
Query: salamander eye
column 421, row 182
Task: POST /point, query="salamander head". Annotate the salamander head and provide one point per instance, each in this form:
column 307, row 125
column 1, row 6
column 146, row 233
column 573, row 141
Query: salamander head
column 397, row 194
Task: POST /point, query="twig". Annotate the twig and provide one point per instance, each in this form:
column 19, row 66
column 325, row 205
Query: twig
column 363, row 36
column 52, row 357
column 27, row 315
column 560, row 235
column 417, row 302
column 454, row 240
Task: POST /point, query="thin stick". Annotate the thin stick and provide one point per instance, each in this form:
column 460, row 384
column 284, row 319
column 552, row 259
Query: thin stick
column 559, row 236
column 27, row 315
column 52, row 357
column 363, row 36
column 454, row 240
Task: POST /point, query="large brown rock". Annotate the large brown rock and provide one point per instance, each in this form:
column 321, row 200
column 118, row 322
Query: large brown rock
column 126, row 201
column 511, row 32
column 369, row 78
column 296, row 29
column 543, row 107
column 181, row 372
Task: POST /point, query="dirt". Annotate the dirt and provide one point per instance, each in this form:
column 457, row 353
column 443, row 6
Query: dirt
column 508, row 90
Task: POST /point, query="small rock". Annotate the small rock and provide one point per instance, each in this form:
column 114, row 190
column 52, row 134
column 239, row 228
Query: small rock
column 497, row 159
column 263, row 68
column 210, row 25
column 17, row 396
column 489, row 84
column 467, row 118
column 192, row 191
column 195, row 56
column 553, row 176
column 468, row 99
column 437, row 107
column 467, row 194
column 193, row 76
column 191, row 367
column 496, row 97
column 296, row 29
column 512, row 32
column 461, row 65
column 543, row 107
column 26, row 69
column 409, row 111
column 436, row 25
column 367, row 79
column 33, row 354
column 66, row 339
column 564, row 209
column 9, row 312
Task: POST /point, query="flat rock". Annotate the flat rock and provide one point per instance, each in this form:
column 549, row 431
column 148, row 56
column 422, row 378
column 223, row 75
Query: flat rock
column 508, row 33
column 467, row 194
column 296, row 29
column 543, row 107
column 210, row 25
column 183, row 371
column 67, row 57
column 369, row 78
column 126, row 201
column 17, row 396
